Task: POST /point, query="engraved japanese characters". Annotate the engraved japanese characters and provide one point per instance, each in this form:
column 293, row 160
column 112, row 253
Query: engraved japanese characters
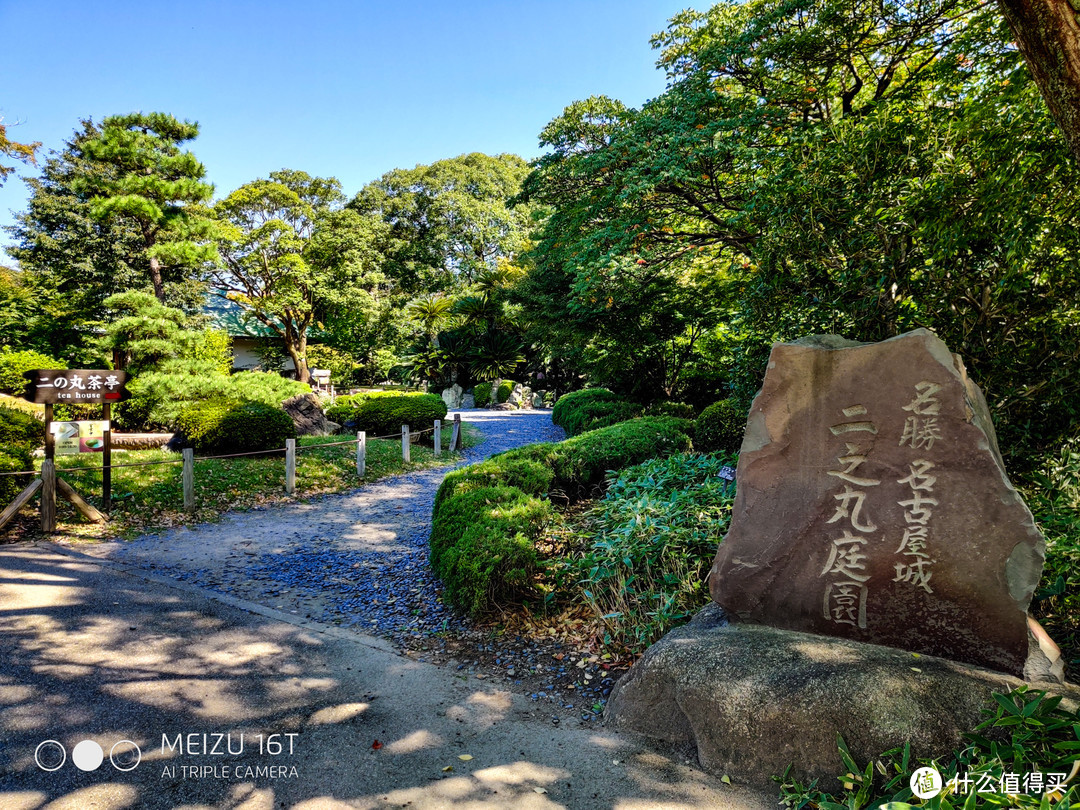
column 873, row 505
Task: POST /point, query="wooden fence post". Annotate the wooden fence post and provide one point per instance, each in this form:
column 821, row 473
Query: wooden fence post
column 438, row 437
column 188, row 479
column 361, row 454
column 406, row 455
column 48, row 496
column 290, row 466
column 455, row 435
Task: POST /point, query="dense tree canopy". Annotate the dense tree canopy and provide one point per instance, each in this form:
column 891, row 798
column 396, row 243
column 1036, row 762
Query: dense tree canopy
column 448, row 221
column 153, row 186
column 20, row 151
column 819, row 166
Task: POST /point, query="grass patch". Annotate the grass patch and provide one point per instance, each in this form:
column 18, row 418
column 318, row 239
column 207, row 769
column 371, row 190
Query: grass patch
column 150, row 498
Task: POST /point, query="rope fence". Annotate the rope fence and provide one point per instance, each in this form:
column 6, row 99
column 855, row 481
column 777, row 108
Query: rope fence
column 49, row 483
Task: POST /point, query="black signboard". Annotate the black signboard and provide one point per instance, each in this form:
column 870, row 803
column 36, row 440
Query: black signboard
column 727, row 473
column 76, row 386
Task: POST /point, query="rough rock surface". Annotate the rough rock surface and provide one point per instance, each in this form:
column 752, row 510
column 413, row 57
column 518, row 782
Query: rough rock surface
column 307, row 414
column 452, row 396
column 752, row 699
column 873, row 505
column 468, row 402
column 538, row 400
column 516, row 395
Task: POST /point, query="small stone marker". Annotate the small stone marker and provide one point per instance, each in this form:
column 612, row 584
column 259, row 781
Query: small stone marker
column 727, row 473
column 873, row 505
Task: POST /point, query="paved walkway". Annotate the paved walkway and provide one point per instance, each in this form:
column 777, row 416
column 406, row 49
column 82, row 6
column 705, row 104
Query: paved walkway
column 107, row 651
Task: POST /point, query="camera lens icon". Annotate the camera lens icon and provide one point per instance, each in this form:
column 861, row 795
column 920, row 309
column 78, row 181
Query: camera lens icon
column 50, row 755
column 125, row 756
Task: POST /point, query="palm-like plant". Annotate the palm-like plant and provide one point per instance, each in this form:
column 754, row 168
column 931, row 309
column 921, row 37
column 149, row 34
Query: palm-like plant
column 497, row 355
column 430, row 311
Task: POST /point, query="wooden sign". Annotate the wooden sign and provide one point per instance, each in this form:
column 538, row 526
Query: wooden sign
column 76, row 386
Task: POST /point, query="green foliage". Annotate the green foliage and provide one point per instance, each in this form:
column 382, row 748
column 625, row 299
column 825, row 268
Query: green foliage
column 337, row 362
column 680, row 410
column 592, row 408
column 149, row 182
column 18, row 427
column 582, row 462
column 384, row 414
column 653, row 538
column 214, row 428
column 142, row 331
column 483, row 546
column 503, row 470
column 20, row 151
column 720, row 427
column 14, row 364
column 215, row 346
column 482, row 394
column 13, row 458
column 1024, row 732
column 1053, row 494
column 505, row 389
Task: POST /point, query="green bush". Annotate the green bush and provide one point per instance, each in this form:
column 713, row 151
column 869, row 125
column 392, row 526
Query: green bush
column 224, row 427
column 654, row 535
column 384, row 415
column 337, row 362
column 13, row 364
column 20, row 428
column 720, row 428
column 483, row 546
column 593, row 408
column 14, row 458
column 506, row 388
column 1025, row 732
column 482, row 394
column 582, row 462
column 680, row 410
column 530, row 476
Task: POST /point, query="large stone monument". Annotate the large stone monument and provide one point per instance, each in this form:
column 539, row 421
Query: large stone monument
column 872, row 511
column 873, row 505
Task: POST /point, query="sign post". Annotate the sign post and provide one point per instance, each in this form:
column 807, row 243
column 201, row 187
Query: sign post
column 80, row 387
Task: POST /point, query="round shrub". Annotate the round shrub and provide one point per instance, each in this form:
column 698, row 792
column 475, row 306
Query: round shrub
column 253, row 426
column 506, row 388
column 13, row 364
column 482, row 394
column 384, row 415
column 231, row 428
column 14, row 459
column 720, row 428
column 591, row 409
column 20, row 428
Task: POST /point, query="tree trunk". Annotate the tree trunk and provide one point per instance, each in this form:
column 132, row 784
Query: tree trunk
column 1048, row 34
column 155, row 277
column 298, row 354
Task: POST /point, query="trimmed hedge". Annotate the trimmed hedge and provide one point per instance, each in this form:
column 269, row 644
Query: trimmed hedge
column 14, row 458
column 487, row 516
column 680, row 410
column 13, row 364
column 384, row 415
column 20, row 428
column 211, row 427
column 506, row 388
column 483, row 545
column 720, row 427
column 482, row 394
column 590, row 409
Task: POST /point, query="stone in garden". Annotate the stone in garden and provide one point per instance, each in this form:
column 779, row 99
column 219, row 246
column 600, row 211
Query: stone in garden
column 750, row 700
column 526, row 397
column 307, row 414
column 538, row 400
column 452, row 396
column 873, row 505
column 468, row 401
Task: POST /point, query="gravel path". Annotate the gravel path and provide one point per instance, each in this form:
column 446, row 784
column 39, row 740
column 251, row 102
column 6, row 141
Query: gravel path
column 357, row 559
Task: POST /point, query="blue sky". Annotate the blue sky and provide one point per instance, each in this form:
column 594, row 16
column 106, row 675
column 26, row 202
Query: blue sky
column 350, row 90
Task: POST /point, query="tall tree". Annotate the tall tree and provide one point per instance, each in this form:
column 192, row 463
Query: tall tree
column 1048, row 33
column 289, row 257
column 20, row 151
column 154, row 186
column 448, row 221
